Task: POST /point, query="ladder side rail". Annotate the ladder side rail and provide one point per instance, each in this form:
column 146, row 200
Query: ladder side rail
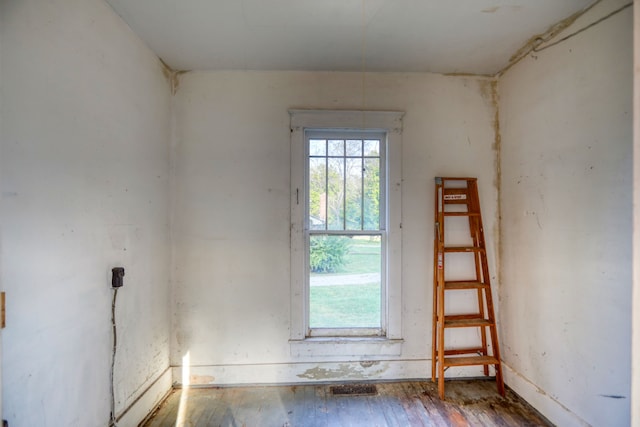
column 434, row 320
column 475, row 227
column 490, row 308
column 484, row 265
column 440, row 285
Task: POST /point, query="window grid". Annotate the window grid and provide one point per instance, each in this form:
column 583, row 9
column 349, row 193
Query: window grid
column 363, row 168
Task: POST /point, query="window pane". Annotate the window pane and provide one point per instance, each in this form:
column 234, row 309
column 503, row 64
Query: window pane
column 317, row 147
column 354, row 147
column 371, row 205
column 353, row 199
column 317, row 193
column 372, row 148
column 335, row 194
column 345, row 282
column 336, row 147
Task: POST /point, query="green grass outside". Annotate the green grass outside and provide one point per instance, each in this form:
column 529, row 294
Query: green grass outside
column 349, row 305
column 345, row 306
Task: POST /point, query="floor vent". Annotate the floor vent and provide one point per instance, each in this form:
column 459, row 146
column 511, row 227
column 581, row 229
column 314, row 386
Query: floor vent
column 356, row 389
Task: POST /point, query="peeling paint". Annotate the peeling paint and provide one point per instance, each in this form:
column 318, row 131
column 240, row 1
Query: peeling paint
column 369, row 363
column 323, row 373
column 497, row 149
column 489, row 92
column 344, row 370
column 486, row 90
column 173, row 76
column 544, row 37
column 166, row 70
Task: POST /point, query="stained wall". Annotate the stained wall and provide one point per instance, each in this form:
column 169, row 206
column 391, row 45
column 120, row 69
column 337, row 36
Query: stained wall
column 566, row 206
column 84, row 173
column 231, row 243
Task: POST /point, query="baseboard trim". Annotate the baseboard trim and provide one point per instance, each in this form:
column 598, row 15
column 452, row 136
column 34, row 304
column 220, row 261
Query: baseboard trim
column 312, row 372
column 331, row 372
column 134, row 414
column 549, row 407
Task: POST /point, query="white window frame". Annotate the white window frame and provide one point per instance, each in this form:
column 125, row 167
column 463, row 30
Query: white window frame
column 390, row 123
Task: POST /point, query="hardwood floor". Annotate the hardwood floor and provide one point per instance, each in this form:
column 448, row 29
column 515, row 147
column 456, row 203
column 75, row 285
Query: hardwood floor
column 413, row 403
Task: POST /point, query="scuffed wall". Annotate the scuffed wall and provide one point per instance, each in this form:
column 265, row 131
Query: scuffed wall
column 566, row 127
column 232, row 199
column 84, row 173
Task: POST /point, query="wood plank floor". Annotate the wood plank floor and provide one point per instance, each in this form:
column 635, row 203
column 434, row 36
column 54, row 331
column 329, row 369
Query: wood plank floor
column 400, row 404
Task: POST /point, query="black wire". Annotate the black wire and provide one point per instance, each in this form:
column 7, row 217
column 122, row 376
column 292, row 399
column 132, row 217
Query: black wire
column 536, row 49
column 113, row 356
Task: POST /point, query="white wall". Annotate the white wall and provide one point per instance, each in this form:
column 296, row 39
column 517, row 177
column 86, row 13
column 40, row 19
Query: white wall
column 566, row 126
column 84, row 163
column 231, row 209
column 1, row 280
column 635, row 352
column 84, row 173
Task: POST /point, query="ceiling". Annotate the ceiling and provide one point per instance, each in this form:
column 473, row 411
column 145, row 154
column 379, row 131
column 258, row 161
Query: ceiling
column 443, row 36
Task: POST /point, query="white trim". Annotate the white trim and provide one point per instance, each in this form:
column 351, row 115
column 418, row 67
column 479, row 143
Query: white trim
column 297, row 268
column 346, row 346
column 147, row 401
column 389, row 122
column 308, row 372
column 347, row 119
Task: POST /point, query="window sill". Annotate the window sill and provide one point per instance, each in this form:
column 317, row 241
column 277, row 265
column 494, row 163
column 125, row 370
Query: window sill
column 347, row 346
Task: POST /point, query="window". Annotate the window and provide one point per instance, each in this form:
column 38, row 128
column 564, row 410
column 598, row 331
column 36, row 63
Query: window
column 345, row 237
column 345, row 224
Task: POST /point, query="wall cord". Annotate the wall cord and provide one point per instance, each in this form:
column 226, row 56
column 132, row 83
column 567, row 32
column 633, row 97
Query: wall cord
column 113, row 422
column 541, row 40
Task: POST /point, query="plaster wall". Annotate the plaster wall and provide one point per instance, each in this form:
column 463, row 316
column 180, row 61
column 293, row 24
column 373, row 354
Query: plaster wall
column 635, row 351
column 84, row 171
column 231, row 215
column 1, row 286
column 566, row 206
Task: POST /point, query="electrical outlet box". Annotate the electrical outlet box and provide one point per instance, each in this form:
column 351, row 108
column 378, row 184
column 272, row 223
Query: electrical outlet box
column 117, row 277
column 3, row 312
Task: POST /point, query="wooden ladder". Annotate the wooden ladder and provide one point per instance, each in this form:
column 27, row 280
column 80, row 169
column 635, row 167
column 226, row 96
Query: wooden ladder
column 458, row 197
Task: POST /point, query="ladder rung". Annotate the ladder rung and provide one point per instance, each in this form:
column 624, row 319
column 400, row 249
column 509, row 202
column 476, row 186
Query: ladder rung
column 465, row 321
column 456, row 178
column 455, row 201
column 470, row 361
column 461, row 213
column 463, row 249
column 457, row 351
column 465, row 285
